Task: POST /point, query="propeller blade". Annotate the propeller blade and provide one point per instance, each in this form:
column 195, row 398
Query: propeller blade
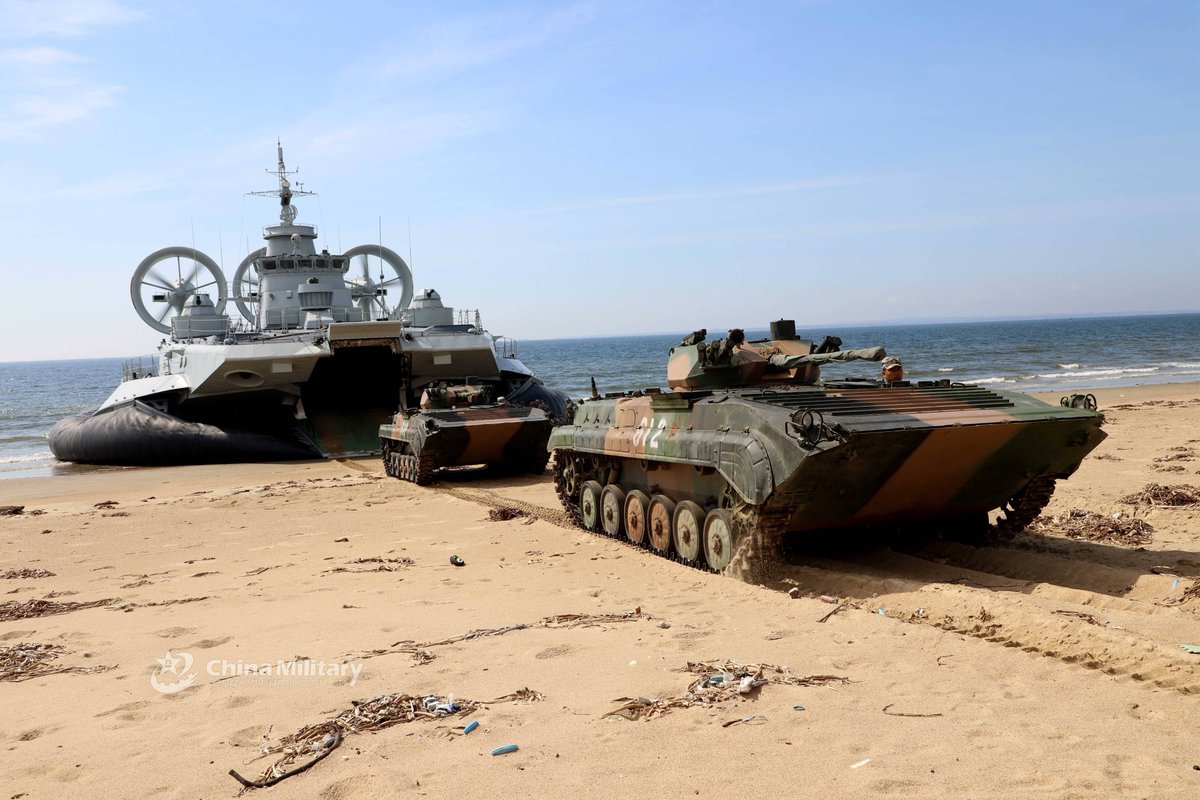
column 195, row 272
column 155, row 275
column 166, row 311
column 366, row 268
column 158, row 285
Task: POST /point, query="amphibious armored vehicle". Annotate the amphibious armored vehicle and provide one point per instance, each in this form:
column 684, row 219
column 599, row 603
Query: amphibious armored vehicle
column 455, row 426
column 750, row 446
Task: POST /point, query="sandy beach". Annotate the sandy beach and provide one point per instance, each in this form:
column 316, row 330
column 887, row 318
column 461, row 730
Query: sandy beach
column 1050, row 667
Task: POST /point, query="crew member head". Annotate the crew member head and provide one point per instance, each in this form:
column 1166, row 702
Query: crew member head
column 893, row 370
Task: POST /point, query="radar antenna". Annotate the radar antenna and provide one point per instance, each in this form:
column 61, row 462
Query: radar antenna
column 285, row 192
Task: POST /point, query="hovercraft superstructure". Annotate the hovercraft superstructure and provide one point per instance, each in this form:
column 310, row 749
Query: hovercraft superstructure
column 318, row 359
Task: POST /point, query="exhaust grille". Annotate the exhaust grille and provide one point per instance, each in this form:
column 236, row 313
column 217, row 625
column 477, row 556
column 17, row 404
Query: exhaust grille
column 885, row 400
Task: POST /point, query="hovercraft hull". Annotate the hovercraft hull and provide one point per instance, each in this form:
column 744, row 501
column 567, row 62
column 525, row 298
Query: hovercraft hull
column 135, row 434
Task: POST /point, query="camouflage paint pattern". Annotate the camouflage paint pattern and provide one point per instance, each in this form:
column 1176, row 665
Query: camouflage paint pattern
column 499, row 434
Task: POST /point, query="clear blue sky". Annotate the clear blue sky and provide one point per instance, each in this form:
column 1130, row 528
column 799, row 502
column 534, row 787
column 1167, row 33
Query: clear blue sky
column 587, row 168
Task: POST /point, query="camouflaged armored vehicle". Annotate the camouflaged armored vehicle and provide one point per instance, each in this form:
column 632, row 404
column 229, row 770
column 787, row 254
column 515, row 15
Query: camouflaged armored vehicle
column 465, row 399
column 456, row 426
column 750, row 446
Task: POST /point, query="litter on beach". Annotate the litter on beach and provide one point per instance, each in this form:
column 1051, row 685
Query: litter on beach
column 718, row 682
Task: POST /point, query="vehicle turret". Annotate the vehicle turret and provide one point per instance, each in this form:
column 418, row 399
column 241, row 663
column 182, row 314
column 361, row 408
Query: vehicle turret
column 734, row 362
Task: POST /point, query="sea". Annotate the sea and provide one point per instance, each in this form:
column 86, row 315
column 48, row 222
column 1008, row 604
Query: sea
column 1043, row 355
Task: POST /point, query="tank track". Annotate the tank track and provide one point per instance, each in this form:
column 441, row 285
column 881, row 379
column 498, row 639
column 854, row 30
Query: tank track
column 417, row 468
column 1022, row 509
column 760, row 530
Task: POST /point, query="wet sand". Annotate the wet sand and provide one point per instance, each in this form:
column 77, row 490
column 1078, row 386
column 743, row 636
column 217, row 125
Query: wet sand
column 1049, row 667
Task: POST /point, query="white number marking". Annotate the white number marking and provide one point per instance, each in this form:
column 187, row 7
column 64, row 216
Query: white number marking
column 662, row 425
column 642, row 429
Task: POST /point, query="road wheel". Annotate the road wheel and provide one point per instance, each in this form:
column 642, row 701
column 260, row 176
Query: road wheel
column 589, row 505
column 659, row 518
column 718, row 539
column 612, row 509
column 637, row 505
column 687, row 531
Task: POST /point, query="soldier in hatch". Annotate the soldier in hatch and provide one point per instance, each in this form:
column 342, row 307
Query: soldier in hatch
column 893, row 370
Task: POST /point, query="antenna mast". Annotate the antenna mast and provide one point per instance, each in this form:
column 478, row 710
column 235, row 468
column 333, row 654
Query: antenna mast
column 285, row 192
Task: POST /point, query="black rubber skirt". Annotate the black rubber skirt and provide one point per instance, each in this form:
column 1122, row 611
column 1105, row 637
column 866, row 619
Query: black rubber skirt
column 134, row 434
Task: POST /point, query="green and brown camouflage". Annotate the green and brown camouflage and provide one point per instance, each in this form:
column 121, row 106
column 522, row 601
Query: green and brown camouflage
column 456, row 426
column 749, row 447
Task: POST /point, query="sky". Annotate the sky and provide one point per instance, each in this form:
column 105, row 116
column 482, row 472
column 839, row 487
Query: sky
column 579, row 169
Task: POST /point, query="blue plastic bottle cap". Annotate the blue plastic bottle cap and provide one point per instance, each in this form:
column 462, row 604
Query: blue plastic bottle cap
column 504, row 749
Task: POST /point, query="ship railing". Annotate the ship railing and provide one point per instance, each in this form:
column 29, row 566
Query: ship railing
column 506, row 347
column 469, row 316
column 295, row 318
column 140, row 367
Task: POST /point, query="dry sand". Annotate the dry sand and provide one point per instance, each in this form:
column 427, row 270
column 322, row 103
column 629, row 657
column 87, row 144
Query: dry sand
column 1047, row 668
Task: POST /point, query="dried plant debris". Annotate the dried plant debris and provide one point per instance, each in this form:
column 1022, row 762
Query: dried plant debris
column 1190, row 594
column 1154, row 494
column 380, row 565
column 11, row 511
column 1169, row 468
column 417, row 650
column 1106, row 457
column 1178, row 454
column 1093, row 527
column 26, row 572
column 719, row 682
column 43, row 608
column 886, row 710
column 376, row 713
column 127, row 607
column 1163, row 403
column 505, row 513
column 26, row 660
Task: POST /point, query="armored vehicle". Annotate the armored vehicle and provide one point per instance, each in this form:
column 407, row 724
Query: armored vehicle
column 751, row 446
column 445, row 425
